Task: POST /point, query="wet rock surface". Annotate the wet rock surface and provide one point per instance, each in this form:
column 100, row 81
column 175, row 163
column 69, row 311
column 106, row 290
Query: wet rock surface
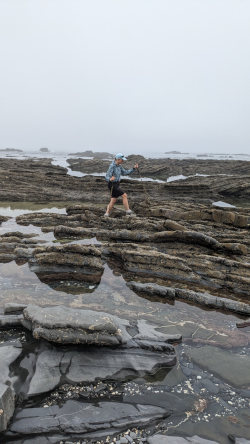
column 8, row 354
column 90, row 338
column 163, row 168
column 39, row 181
column 83, row 418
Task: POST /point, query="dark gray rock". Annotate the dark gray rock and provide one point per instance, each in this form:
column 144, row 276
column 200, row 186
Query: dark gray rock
column 231, row 367
column 8, row 354
column 54, row 367
column 9, row 321
column 84, row 418
column 210, row 386
column 48, row 372
column 7, row 405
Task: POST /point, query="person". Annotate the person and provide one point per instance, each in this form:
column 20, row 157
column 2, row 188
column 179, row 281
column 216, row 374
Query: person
column 113, row 178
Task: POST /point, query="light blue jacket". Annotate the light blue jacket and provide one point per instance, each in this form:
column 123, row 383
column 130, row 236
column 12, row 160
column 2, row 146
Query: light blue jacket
column 117, row 171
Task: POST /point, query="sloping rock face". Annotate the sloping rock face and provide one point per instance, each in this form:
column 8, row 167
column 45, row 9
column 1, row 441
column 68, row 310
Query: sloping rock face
column 55, row 367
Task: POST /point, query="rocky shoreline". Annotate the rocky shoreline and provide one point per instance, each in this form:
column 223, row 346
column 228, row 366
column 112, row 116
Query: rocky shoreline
column 131, row 332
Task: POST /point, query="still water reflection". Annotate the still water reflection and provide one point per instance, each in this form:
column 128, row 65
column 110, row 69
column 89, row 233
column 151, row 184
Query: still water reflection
column 214, row 357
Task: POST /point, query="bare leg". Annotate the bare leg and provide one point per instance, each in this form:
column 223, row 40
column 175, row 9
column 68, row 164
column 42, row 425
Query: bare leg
column 125, row 201
column 111, row 204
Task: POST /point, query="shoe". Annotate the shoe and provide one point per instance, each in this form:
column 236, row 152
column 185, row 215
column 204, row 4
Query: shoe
column 106, row 214
column 129, row 213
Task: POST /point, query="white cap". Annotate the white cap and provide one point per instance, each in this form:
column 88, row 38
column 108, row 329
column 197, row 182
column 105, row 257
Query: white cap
column 120, row 156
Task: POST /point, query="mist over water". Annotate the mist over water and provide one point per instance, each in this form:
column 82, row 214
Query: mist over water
column 139, row 77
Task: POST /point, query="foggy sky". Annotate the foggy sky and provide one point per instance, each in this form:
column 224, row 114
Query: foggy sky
column 125, row 75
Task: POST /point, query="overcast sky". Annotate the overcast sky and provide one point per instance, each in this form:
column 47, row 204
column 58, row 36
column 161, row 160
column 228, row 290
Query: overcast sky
column 125, row 75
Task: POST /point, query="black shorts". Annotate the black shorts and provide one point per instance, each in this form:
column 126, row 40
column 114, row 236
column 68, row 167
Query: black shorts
column 115, row 190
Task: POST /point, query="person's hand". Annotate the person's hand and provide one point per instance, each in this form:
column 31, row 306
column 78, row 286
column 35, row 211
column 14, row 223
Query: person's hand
column 136, row 166
column 112, row 178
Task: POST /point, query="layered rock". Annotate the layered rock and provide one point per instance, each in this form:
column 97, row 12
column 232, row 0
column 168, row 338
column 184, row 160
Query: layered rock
column 55, row 367
column 84, row 419
column 67, row 262
column 164, row 168
column 73, row 326
column 9, row 242
column 204, row 299
column 29, row 180
column 8, row 354
column 3, row 219
column 203, row 271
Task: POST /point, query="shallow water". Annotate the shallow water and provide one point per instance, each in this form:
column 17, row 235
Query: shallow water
column 204, row 331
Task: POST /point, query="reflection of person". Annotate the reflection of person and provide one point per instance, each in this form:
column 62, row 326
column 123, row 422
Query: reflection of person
column 113, row 178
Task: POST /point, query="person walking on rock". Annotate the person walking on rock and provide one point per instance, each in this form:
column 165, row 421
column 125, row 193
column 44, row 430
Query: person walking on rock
column 113, row 178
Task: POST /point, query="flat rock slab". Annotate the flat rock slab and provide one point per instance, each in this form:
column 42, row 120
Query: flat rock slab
column 232, row 367
column 66, row 325
column 75, row 326
column 84, row 418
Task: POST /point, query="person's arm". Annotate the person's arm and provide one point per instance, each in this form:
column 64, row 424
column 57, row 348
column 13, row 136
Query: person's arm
column 126, row 172
column 109, row 175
